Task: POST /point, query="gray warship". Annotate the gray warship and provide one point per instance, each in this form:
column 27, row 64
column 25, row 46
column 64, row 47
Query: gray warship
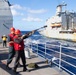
column 6, row 18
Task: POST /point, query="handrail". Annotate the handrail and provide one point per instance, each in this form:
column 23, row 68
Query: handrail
column 63, row 46
column 68, row 71
column 69, row 56
column 69, row 63
column 45, row 48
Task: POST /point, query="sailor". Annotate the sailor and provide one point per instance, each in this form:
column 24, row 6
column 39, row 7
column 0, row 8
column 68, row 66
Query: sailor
column 4, row 40
column 19, row 49
column 11, row 46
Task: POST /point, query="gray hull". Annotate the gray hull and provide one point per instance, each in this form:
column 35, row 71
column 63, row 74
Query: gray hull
column 6, row 18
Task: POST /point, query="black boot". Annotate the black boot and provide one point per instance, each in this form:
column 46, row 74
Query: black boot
column 14, row 71
column 7, row 67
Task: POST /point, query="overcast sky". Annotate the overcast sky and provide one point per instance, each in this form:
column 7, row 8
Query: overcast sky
column 32, row 14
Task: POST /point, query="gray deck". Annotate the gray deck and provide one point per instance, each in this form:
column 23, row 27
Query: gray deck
column 44, row 69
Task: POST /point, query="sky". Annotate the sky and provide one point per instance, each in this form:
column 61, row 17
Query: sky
column 32, row 14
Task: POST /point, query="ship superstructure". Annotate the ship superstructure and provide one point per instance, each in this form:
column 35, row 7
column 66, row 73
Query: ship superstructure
column 62, row 25
column 6, row 18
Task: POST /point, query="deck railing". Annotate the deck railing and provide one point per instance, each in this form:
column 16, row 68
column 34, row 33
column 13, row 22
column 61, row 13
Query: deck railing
column 61, row 56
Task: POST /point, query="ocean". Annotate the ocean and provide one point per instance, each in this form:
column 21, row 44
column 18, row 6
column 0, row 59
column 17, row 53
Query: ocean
column 37, row 38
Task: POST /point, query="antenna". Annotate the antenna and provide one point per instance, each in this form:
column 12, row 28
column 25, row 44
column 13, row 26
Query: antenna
column 63, row 2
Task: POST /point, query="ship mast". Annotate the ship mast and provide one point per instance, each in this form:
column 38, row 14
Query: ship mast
column 59, row 9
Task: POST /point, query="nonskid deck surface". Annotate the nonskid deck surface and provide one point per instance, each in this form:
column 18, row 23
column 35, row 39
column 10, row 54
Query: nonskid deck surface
column 44, row 69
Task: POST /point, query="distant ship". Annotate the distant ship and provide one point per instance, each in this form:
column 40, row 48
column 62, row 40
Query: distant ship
column 61, row 26
column 6, row 18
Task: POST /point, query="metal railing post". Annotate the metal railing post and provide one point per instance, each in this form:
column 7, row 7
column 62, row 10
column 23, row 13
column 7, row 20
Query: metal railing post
column 45, row 50
column 37, row 49
column 60, row 57
column 31, row 47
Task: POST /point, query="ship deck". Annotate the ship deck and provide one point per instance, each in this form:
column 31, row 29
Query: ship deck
column 44, row 69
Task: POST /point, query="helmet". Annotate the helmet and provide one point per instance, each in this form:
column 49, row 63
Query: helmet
column 17, row 31
column 12, row 29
